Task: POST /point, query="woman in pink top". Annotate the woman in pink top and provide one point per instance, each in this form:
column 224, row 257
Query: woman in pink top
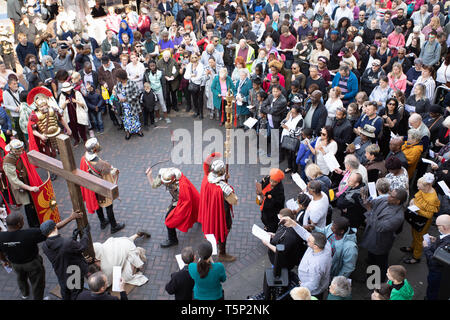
column 396, row 40
column 113, row 20
column 397, row 79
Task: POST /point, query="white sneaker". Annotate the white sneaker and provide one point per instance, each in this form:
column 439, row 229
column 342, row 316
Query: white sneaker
column 168, row 120
column 160, row 119
column 24, row 297
column 47, row 298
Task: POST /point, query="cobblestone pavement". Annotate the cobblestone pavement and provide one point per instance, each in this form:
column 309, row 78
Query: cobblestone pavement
column 140, row 207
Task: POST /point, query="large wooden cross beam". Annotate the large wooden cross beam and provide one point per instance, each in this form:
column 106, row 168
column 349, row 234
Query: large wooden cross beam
column 75, row 178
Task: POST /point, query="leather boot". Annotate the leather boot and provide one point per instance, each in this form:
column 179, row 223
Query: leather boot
column 223, row 256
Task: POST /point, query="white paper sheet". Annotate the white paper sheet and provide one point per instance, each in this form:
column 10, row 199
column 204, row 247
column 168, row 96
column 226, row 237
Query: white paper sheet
column 414, row 208
column 410, row 108
column 331, row 161
column 180, row 261
column 260, row 233
column 212, row 240
column 431, row 153
column 372, row 190
column 428, row 161
column 426, row 237
column 250, row 122
column 444, row 187
column 299, row 181
column 292, row 204
column 117, row 274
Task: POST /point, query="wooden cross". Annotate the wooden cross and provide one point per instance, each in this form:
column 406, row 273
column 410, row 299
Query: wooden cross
column 75, row 178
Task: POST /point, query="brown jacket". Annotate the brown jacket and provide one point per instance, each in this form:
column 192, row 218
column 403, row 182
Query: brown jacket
column 108, row 77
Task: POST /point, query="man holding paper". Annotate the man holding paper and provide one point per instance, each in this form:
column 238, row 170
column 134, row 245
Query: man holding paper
column 98, row 289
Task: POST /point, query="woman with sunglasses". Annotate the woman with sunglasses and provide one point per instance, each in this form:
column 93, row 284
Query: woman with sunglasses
column 391, row 121
column 324, row 145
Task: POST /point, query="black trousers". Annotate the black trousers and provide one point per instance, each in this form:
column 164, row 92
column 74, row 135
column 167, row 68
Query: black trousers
column 32, row 217
column 146, row 113
column 197, row 101
column 70, row 294
column 171, row 98
column 380, row 260
column 187, row 95
column 34, row 272
column 109, row 213
column 171, row 232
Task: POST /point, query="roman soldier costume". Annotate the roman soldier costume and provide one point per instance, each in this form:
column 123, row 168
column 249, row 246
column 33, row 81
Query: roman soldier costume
column 92, row 164
column 216, row 200
column 22, row 177
column 183, row 209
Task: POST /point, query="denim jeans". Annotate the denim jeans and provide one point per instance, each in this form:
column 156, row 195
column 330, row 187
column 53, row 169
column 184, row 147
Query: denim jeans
column 96, row 120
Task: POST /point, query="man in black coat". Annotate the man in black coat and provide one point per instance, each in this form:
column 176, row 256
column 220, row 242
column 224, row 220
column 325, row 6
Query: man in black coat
column 350, row 201
column 181, row 284
column 342, row 133
column 275, row 105
column 334, row 45
column 429, row 248
column 98, row 286
column 88, row 75
column 371, row 77
column 402, row 59
column 65, row 256
column 315, row 113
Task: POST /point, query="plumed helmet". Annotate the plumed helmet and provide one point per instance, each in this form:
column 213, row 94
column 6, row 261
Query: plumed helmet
column 218, row 167
column 169, row 175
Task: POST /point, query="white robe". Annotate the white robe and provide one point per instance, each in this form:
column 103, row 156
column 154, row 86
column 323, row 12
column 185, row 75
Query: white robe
column 121, row 252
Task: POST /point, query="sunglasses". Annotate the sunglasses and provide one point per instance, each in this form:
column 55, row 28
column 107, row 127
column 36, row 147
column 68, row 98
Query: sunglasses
column 391, row 104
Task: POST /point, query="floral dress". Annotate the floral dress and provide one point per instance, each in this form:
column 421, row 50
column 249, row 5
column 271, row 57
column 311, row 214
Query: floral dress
column 130, row 119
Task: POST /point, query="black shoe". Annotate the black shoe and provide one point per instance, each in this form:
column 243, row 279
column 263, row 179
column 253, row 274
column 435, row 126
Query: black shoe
column 117, row 228
column 175, row 109
column 144, row 234
column 195, row 115
column 168, row 243
column 53, row 176
column 140, row 133
column 128, row 136
column 104, row 223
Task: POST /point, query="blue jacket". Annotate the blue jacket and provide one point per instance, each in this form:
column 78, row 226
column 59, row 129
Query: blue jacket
column 345, row 252
column 269, row 11
column 5, row 120
column 352, row 85
column 127, row 30
column 304, row 153
column 94, row 100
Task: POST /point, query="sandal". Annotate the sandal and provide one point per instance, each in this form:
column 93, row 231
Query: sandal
column 411, row 261
column 406, row 249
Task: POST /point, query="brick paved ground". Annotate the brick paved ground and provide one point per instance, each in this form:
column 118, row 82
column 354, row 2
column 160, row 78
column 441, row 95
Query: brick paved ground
column 143, row 208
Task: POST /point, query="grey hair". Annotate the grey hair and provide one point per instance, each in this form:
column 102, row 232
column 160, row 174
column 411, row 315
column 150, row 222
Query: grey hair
column 342, row 287
column 414, row 134
column 352, row 161
column 383, row 185
column 47, row 58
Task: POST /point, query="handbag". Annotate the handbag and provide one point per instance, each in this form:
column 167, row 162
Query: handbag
column 290, row 143
column 416, row 221
column 192, row 87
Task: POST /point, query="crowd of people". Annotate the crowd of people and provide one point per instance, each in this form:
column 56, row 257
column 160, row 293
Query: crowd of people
column 364, row 82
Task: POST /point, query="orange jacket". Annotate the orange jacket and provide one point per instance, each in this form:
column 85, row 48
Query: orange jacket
column 412, row 153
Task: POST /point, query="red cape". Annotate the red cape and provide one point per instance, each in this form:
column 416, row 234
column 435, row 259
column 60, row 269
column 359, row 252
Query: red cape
column 211, row 213
column 89, row 196
column 33, row 176
column 31, row 138
column 185, row 213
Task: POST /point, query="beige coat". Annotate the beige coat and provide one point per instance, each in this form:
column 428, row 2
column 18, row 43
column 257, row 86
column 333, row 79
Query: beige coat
column 15, row 184
column 82, row 111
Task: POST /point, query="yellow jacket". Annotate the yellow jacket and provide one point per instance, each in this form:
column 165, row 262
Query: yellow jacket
column 428, row 203
column 412, row 153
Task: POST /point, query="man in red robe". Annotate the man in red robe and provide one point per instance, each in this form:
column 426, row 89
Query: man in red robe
column 23, row 179
column 216, row 200
column 183, row 209
column 91, row 163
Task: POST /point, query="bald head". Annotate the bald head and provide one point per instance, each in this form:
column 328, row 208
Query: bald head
column 415, row 120
column 443, row 223
column 395, row 145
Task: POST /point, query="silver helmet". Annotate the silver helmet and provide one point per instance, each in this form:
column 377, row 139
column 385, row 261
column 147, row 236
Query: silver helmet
column 218, row 167
column 169, row 175
column 92, row 148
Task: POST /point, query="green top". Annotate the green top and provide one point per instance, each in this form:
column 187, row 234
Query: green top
column 333, row 297
column 406, row 292
column 210, row 287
